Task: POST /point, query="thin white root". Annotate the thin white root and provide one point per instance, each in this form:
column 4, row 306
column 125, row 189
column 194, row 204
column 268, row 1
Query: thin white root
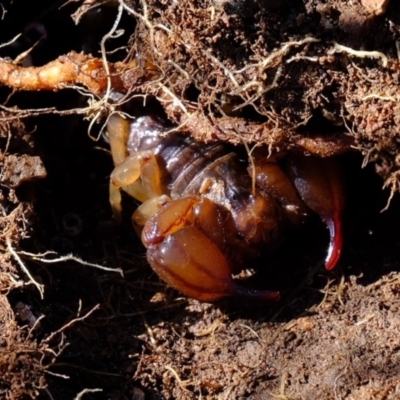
column 39, row 286
column 70, row 323
column 338, row 48
column 68, row 257
column 84, row 391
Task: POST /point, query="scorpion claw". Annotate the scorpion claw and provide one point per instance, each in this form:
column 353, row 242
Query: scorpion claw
column 191, row 263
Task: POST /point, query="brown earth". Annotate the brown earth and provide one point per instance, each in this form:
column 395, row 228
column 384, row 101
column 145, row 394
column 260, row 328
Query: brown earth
column 313, row 76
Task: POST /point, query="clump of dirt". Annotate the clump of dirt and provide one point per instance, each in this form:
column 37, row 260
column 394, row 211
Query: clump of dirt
column 302, row 76
column 316, row 77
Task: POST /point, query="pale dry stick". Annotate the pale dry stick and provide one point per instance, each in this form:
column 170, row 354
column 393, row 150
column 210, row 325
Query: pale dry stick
column 105, row 99
column 60, row 348
column 365, row 320
column 33, row 112
column 393, row 183
column 139, row 364
column 363, row 150
column 109, row 35
column 251, row 159
column 34, row 326
column 181, row 383
column 373, row 81
column 70, row 323
column 339, row 48
column 284, row 381
column 273, row 85
column 39, row 287
column 335, row 382
column 11, row 41
column 180, row 126
column 278, row 53
column 253, row 166
column 227, row 72
column 211, row 329
column 56, row 374
column 68, row 257
column 326, row 294
column 3, row 11
column 299, row 58
column 22, row 56
column 227, row 393
column 176, row 101
column 84, row 391
column 253, row 332
column 340, row 290
column 380, row 97
column 145, row 19
column 78, row 313
column 149, row 331
column 49, row 393
column 7, row 144
column 282, row 388
column 179, row 68
column 15, row 284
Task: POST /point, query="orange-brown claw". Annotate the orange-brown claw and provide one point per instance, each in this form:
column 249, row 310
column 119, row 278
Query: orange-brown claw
column 184, row 257
column 318, row 180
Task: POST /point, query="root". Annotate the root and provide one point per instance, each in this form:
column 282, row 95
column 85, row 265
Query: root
column 68, row 257
column 72, row 69
column 39, row 286
column 80, row 395
column 338, row 48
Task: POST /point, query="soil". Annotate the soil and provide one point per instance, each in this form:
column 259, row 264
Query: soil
column 74, row 329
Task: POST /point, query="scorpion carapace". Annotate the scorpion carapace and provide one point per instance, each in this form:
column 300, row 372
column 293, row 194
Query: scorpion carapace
column 205, row 212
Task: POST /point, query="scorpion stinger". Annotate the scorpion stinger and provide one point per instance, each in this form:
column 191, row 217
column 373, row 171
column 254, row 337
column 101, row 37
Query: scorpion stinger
column 334, row 224
column 319, row 183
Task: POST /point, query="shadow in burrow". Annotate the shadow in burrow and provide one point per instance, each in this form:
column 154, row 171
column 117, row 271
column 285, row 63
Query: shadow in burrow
column 370, row 247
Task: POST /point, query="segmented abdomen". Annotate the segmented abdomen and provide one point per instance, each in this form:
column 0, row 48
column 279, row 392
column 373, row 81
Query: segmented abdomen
column 191, row 165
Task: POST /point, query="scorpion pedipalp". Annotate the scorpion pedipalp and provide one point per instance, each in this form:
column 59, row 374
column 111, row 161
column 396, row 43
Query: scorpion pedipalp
column 187, row 259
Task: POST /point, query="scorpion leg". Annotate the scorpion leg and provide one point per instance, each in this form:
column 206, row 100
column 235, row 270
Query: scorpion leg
column 187, row 259
column 273, row 179
column 319, row 183
column 118, row 132
column 146, row 210
column 139, row 175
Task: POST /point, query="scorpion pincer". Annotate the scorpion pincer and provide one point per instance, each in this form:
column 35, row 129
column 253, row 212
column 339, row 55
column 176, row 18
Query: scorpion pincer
column 205, row 212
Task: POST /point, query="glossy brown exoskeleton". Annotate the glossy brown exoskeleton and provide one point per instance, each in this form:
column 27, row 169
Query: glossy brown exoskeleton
column 205, row 212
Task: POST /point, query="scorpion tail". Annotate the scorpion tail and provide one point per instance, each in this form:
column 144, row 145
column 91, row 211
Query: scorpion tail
column 336, row 241
column 319, row 183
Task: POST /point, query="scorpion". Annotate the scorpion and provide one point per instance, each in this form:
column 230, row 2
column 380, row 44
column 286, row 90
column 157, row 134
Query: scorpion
column 205, row 211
